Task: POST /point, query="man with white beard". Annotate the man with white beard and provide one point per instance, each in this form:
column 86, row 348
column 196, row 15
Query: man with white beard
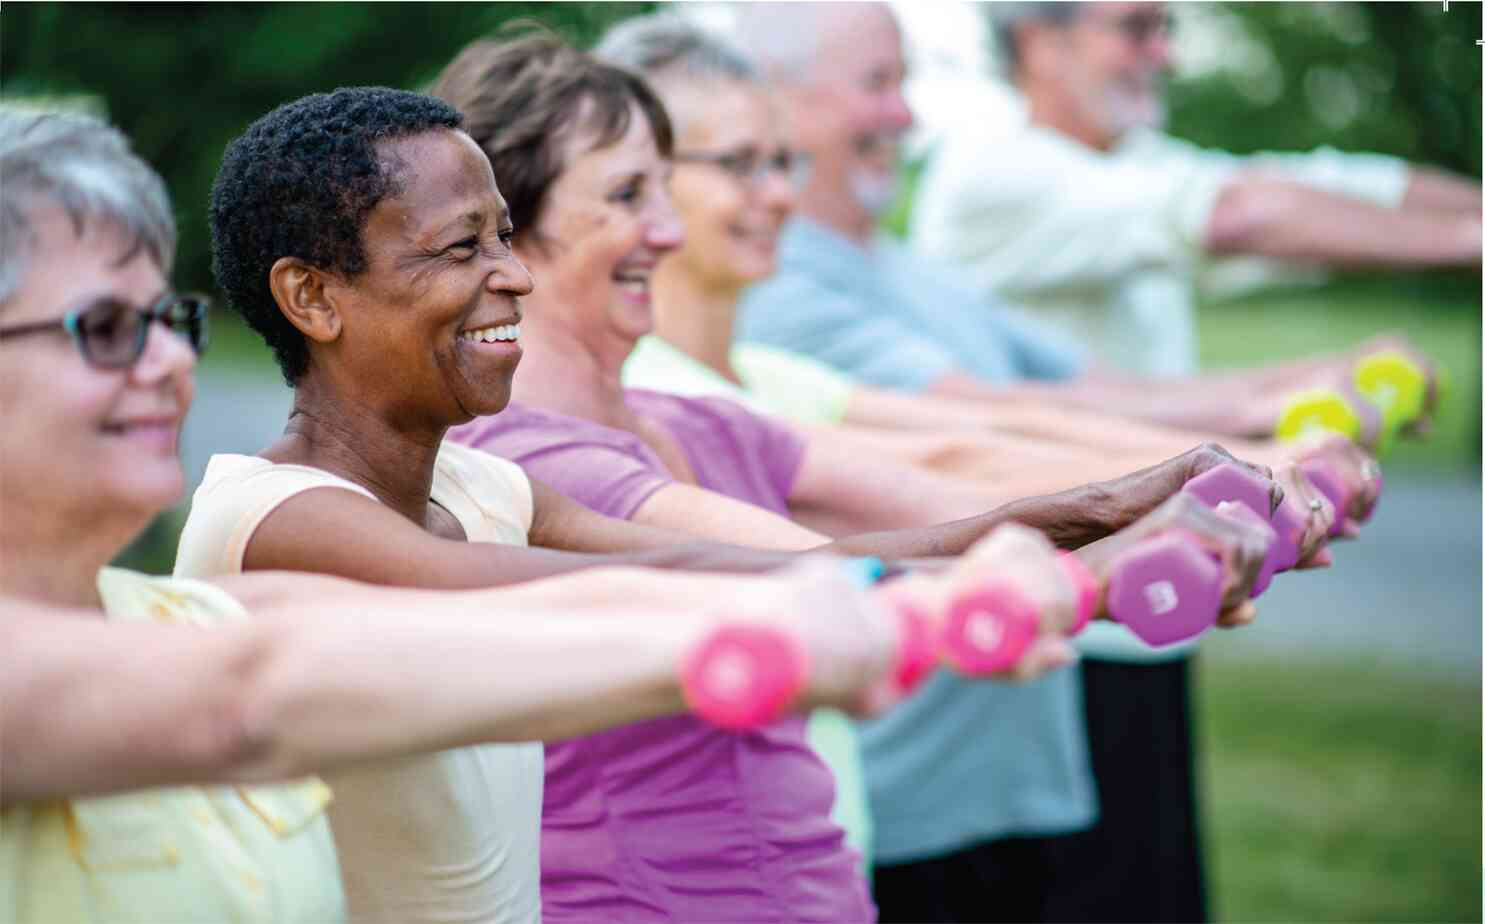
column 1096, row 221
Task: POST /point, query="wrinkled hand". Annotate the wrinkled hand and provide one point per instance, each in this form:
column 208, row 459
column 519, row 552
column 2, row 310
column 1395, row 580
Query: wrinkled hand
column 1319, row 513
column 1360, row 471
column 1240, row 546
column 1140, row 493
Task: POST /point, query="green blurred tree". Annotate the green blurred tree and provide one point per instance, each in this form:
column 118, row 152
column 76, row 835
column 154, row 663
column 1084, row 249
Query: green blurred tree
column 182, row 80
column 1397, row 78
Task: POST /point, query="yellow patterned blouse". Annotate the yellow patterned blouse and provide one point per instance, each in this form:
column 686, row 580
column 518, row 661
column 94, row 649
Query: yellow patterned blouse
column 183, row 853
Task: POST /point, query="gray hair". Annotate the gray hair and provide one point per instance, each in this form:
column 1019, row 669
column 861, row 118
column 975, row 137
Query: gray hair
column 87, row 169
column 783, row 38
column 1004, row 18
column 660, row 46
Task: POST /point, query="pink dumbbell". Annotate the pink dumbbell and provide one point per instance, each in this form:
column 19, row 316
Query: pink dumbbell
column 989, row 629
column 743, row 677
column 1240, row 485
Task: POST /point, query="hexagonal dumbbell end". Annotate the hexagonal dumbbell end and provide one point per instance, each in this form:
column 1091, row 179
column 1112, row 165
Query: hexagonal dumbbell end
column 988, row 629
column 742, row 677
column 1250, row 491
column 1165, row 590
column 1318, row 410
column 1395, row 384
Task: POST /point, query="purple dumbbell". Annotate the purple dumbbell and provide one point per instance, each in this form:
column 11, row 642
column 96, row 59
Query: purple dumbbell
column 1245, row 487
column 1166, row 589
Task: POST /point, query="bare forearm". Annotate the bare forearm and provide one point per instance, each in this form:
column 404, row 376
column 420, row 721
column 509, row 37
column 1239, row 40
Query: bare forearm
column 1275, row 218
column 321, row 683
column 1433, row 190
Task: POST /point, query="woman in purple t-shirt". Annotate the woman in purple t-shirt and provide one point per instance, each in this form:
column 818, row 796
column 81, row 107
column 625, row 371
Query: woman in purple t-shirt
column 670, row 819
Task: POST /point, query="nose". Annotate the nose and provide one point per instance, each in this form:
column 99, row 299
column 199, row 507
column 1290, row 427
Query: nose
column 166, row 355
column 778, row 191
column 898, row 112
column 663, row 230
column 510, row 277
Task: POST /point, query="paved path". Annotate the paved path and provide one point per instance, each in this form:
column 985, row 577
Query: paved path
column 1408, row 591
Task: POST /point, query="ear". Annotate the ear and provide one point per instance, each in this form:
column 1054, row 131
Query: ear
column 302, row 295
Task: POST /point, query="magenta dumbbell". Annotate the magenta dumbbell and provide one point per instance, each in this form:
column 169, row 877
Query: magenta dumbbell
column 1240, row 485
column 741, row 677
column 989, row 628
column 1166, row 589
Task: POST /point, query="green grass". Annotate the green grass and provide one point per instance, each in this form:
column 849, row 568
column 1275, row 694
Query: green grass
column 1442, row 319
column 1340, row 792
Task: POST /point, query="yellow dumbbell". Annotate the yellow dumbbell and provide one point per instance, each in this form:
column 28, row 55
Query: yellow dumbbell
column 1395, row 384
column 1324, row 410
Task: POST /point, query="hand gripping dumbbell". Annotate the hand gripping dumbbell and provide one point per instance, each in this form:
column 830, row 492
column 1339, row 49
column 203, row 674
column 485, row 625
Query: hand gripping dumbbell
column 1327, row 481
column 1168, row 588
column 741, row 677
column 1250, row 490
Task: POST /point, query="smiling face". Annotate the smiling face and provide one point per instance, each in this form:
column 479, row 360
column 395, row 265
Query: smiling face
column 732, row 223
column 604, row 225
column 101, row 443
column 1105, row 68
column 850, row 114
column 429, row 333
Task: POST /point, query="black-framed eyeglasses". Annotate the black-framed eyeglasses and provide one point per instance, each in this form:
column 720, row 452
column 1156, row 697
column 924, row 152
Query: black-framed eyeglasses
column 752, row 166
column 111, row 334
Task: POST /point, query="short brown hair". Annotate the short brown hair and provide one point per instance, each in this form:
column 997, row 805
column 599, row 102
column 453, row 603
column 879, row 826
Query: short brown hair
column 521, row 101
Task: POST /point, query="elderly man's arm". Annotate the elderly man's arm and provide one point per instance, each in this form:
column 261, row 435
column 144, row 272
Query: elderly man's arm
column 1260, row 215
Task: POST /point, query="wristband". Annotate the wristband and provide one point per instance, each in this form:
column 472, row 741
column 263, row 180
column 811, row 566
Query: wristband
column 865, row 571
column 1085, row 585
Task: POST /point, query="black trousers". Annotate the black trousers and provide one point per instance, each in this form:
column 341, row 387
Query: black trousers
column 1140, row 862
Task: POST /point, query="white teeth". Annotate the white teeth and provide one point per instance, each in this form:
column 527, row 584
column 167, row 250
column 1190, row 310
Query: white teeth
column 504, row 332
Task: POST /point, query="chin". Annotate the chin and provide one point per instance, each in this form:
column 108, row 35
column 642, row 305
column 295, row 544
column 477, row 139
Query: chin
column 149, row 492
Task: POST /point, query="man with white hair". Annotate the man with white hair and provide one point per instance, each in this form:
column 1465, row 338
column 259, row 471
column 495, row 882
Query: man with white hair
column 1096, row 221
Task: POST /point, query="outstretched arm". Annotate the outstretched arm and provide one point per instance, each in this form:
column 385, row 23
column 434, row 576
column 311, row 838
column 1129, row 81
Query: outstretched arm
column 329, row 673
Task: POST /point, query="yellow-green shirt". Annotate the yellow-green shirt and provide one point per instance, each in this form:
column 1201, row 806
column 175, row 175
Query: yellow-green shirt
column 181, row 853
column 775, row 381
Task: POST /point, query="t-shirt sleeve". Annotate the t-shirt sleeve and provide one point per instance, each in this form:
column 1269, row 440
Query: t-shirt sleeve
column 576, row 460
column 232, row 503
column 777, row 446
column 866, row 341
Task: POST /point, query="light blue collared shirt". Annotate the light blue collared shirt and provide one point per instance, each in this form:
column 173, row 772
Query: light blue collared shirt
column 892, row 318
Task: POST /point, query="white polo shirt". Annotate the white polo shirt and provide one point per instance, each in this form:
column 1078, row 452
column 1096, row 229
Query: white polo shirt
column 1108, row 246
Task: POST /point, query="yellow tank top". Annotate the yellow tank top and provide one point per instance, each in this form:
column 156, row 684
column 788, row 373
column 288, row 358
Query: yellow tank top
column 180, row 853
